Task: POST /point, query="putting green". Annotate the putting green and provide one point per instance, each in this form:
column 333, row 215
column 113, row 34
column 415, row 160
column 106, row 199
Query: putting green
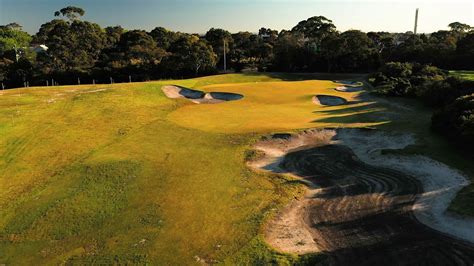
column 271, row 106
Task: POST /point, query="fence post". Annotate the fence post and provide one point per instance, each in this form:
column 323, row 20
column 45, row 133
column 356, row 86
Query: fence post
column 47, row 83
column 78, row 81
column 111, row 80
column 130, row 78
column 52, row 82
column 93, row 81
column 3, row 86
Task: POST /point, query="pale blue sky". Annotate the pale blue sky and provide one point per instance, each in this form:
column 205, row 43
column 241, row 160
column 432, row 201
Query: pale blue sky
column 197, row 16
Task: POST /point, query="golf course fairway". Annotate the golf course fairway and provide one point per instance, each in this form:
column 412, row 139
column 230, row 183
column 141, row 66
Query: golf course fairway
column 121, row 174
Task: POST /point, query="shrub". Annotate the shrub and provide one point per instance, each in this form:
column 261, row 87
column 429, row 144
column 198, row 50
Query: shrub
column 456, row 120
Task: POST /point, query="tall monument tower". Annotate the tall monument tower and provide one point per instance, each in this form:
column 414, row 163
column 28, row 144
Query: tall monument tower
column 416, row 22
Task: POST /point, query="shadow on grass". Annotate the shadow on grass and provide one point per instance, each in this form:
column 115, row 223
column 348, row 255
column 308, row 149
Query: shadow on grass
column 364, row 116
column 352, row 109
column 306, row 76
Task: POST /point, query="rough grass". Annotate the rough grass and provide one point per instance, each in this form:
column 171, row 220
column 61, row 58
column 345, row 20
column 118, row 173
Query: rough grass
column 122, row 175
column 465, row 74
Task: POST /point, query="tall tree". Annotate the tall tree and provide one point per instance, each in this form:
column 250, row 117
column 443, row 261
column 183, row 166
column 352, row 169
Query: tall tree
column 72, row 46
column 315, row 27
column 216, row 38
column 190, row 54
column 459, row 27
column 71, row 13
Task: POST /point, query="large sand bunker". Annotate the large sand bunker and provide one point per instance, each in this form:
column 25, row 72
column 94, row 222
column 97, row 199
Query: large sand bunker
column 363, row 207
column 329, row 100
column 196, row 96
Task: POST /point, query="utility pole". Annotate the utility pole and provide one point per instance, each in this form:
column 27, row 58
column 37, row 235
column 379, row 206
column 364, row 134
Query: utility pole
column 416, row 22
column 17, row 56
column 225, row 58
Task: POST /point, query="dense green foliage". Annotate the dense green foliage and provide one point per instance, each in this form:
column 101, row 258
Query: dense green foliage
column 452, row 96
column 81, row 49
column 456, row 120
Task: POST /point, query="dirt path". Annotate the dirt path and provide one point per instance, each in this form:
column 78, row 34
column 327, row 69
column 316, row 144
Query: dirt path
column 357, row 213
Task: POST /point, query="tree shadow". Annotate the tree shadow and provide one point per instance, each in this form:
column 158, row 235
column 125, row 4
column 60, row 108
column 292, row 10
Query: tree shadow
column 307, row 76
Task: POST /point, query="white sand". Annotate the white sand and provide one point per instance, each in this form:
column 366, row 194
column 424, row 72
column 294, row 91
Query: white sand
column 440, row 182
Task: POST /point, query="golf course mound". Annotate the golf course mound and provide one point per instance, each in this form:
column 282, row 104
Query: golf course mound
column 329, row 100
column 360, row 203
column 196, row 96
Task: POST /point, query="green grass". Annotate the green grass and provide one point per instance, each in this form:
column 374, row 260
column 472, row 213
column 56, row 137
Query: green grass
column 119, row 174
column 465, row 74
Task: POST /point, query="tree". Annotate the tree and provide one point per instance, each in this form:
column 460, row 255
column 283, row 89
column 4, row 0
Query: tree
column 457, row 121
column 459, row 27
column 112, row 35
column 290, row 51
column 163, row 37
column 72, row 46
column 216, row 38
column 14, row 26
column 14, row 43
column 315, row 27
column 72, row 13
column 465, row 52
column 358, row 51
column 190, row 54
column 137, row 48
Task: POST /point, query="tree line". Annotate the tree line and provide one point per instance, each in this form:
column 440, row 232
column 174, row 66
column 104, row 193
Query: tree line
column 83, row 51
column 451, row 97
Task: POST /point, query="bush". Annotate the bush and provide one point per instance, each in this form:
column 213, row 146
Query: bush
column 456, row 120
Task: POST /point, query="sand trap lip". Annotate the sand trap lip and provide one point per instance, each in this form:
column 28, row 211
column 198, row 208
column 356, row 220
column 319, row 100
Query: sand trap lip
column 175, row 92
column 349, row 89
column 328, row 100
column 196, row 96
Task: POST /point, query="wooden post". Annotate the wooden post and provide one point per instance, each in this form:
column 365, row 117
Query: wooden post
column 47, row 83
column 52, row 82
column 129, row 78
column 111, row 80
column 93, row 81
column 3, row 86
column 78, row 81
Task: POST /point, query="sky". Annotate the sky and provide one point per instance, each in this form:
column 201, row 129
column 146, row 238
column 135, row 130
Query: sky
column 197, row 16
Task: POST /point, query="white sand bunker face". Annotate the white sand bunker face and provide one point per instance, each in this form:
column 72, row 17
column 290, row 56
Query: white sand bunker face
column 196, row 96
column 329, row 100
column 175, row 92
column 349, row 89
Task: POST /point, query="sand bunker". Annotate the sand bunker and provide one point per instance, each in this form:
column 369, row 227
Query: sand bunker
column 349, row 89
column 329, row 100
column 175, row 92
column 196, row 96
column 360, row 203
